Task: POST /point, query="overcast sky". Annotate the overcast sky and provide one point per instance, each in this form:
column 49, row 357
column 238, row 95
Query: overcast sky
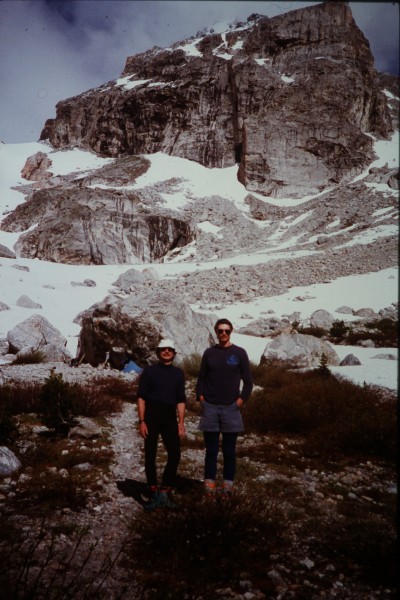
column 54, row 49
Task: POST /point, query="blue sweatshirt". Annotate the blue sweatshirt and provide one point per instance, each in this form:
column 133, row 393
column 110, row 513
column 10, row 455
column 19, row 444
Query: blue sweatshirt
column 164, row 384
column 221, row 371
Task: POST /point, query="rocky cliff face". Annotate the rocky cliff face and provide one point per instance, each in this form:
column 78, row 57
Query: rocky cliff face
column 291, row 99
column 79, row 223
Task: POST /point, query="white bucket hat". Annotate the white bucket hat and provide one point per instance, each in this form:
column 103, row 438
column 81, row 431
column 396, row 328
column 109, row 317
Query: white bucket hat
column 166, row 343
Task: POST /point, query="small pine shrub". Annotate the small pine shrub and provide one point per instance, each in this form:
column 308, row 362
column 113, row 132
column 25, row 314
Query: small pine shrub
column 57, row 399
column 338, row 330
column 323, row 370
column 32, row 357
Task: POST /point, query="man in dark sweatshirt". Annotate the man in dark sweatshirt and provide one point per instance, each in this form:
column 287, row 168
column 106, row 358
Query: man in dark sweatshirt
column 223, row 368
column 161, row 410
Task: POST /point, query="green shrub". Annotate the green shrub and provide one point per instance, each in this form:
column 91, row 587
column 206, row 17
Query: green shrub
column 334, row 415
column 32, row 357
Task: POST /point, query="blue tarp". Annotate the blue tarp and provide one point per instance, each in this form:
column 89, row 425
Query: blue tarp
column 131, row 366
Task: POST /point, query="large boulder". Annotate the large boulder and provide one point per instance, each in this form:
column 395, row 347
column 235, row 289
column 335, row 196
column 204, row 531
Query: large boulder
column 9, row 463
column 136, row 324
column 37, row 333
column 264, row 327
column 350, row 361
column 25, row 302
column 133, row 277
column 322, row 318
column 304, row 351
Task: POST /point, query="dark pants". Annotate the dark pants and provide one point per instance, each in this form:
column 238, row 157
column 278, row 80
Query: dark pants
column 211, row 442
column 161, row 421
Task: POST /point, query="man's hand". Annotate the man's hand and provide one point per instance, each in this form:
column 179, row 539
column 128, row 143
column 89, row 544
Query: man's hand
column 143, row 430
column 181, row 429
column 239, row 402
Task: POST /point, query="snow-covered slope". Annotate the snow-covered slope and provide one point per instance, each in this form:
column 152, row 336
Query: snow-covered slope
column 54, row 287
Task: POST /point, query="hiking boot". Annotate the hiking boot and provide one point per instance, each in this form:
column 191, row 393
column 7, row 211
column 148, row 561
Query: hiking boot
column 153, row 503
column 164, row 501
column 227, row 488
column 210, row 488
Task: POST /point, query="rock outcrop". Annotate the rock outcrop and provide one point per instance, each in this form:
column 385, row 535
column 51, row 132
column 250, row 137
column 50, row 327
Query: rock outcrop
column 134, row 326
column 78, row 225
column 37, row 333
column 304, row 351
column 37, row 167
column 291, row 99
column 6, row 252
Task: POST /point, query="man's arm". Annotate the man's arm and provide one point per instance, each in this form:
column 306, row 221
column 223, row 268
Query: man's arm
column 141, row 404
column 246, row 378
column 181, row 408
column 201, row 379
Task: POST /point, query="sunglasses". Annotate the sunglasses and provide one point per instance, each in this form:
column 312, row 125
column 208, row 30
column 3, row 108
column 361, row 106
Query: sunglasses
column 167, row 349
column 227, row 331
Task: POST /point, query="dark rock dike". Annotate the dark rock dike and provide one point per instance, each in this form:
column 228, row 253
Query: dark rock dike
column 290, row 99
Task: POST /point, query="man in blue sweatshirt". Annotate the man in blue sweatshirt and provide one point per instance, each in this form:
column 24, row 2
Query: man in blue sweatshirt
column 161, row 410
column 223, row 368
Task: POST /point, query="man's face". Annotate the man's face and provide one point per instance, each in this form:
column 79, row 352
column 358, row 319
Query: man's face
column 166, row 355
column 223, row 332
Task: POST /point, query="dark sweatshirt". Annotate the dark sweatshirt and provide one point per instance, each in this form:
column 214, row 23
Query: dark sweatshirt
column 221, row 372
column 163, row 384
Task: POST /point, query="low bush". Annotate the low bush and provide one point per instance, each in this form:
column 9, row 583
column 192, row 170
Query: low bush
column 318, row 332
column 32, row 357
column 213, row 544
column 361, row 542
column 335, row 415
column 16, row 399
column 20, row 397
column 99, row 399
column 383, row 332
column 59, row 402
column 191, row 365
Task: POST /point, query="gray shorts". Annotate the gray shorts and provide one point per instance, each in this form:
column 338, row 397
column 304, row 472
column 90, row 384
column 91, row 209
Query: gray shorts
column 221, row 417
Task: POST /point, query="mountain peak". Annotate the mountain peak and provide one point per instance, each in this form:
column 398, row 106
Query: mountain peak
column 291, row 99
